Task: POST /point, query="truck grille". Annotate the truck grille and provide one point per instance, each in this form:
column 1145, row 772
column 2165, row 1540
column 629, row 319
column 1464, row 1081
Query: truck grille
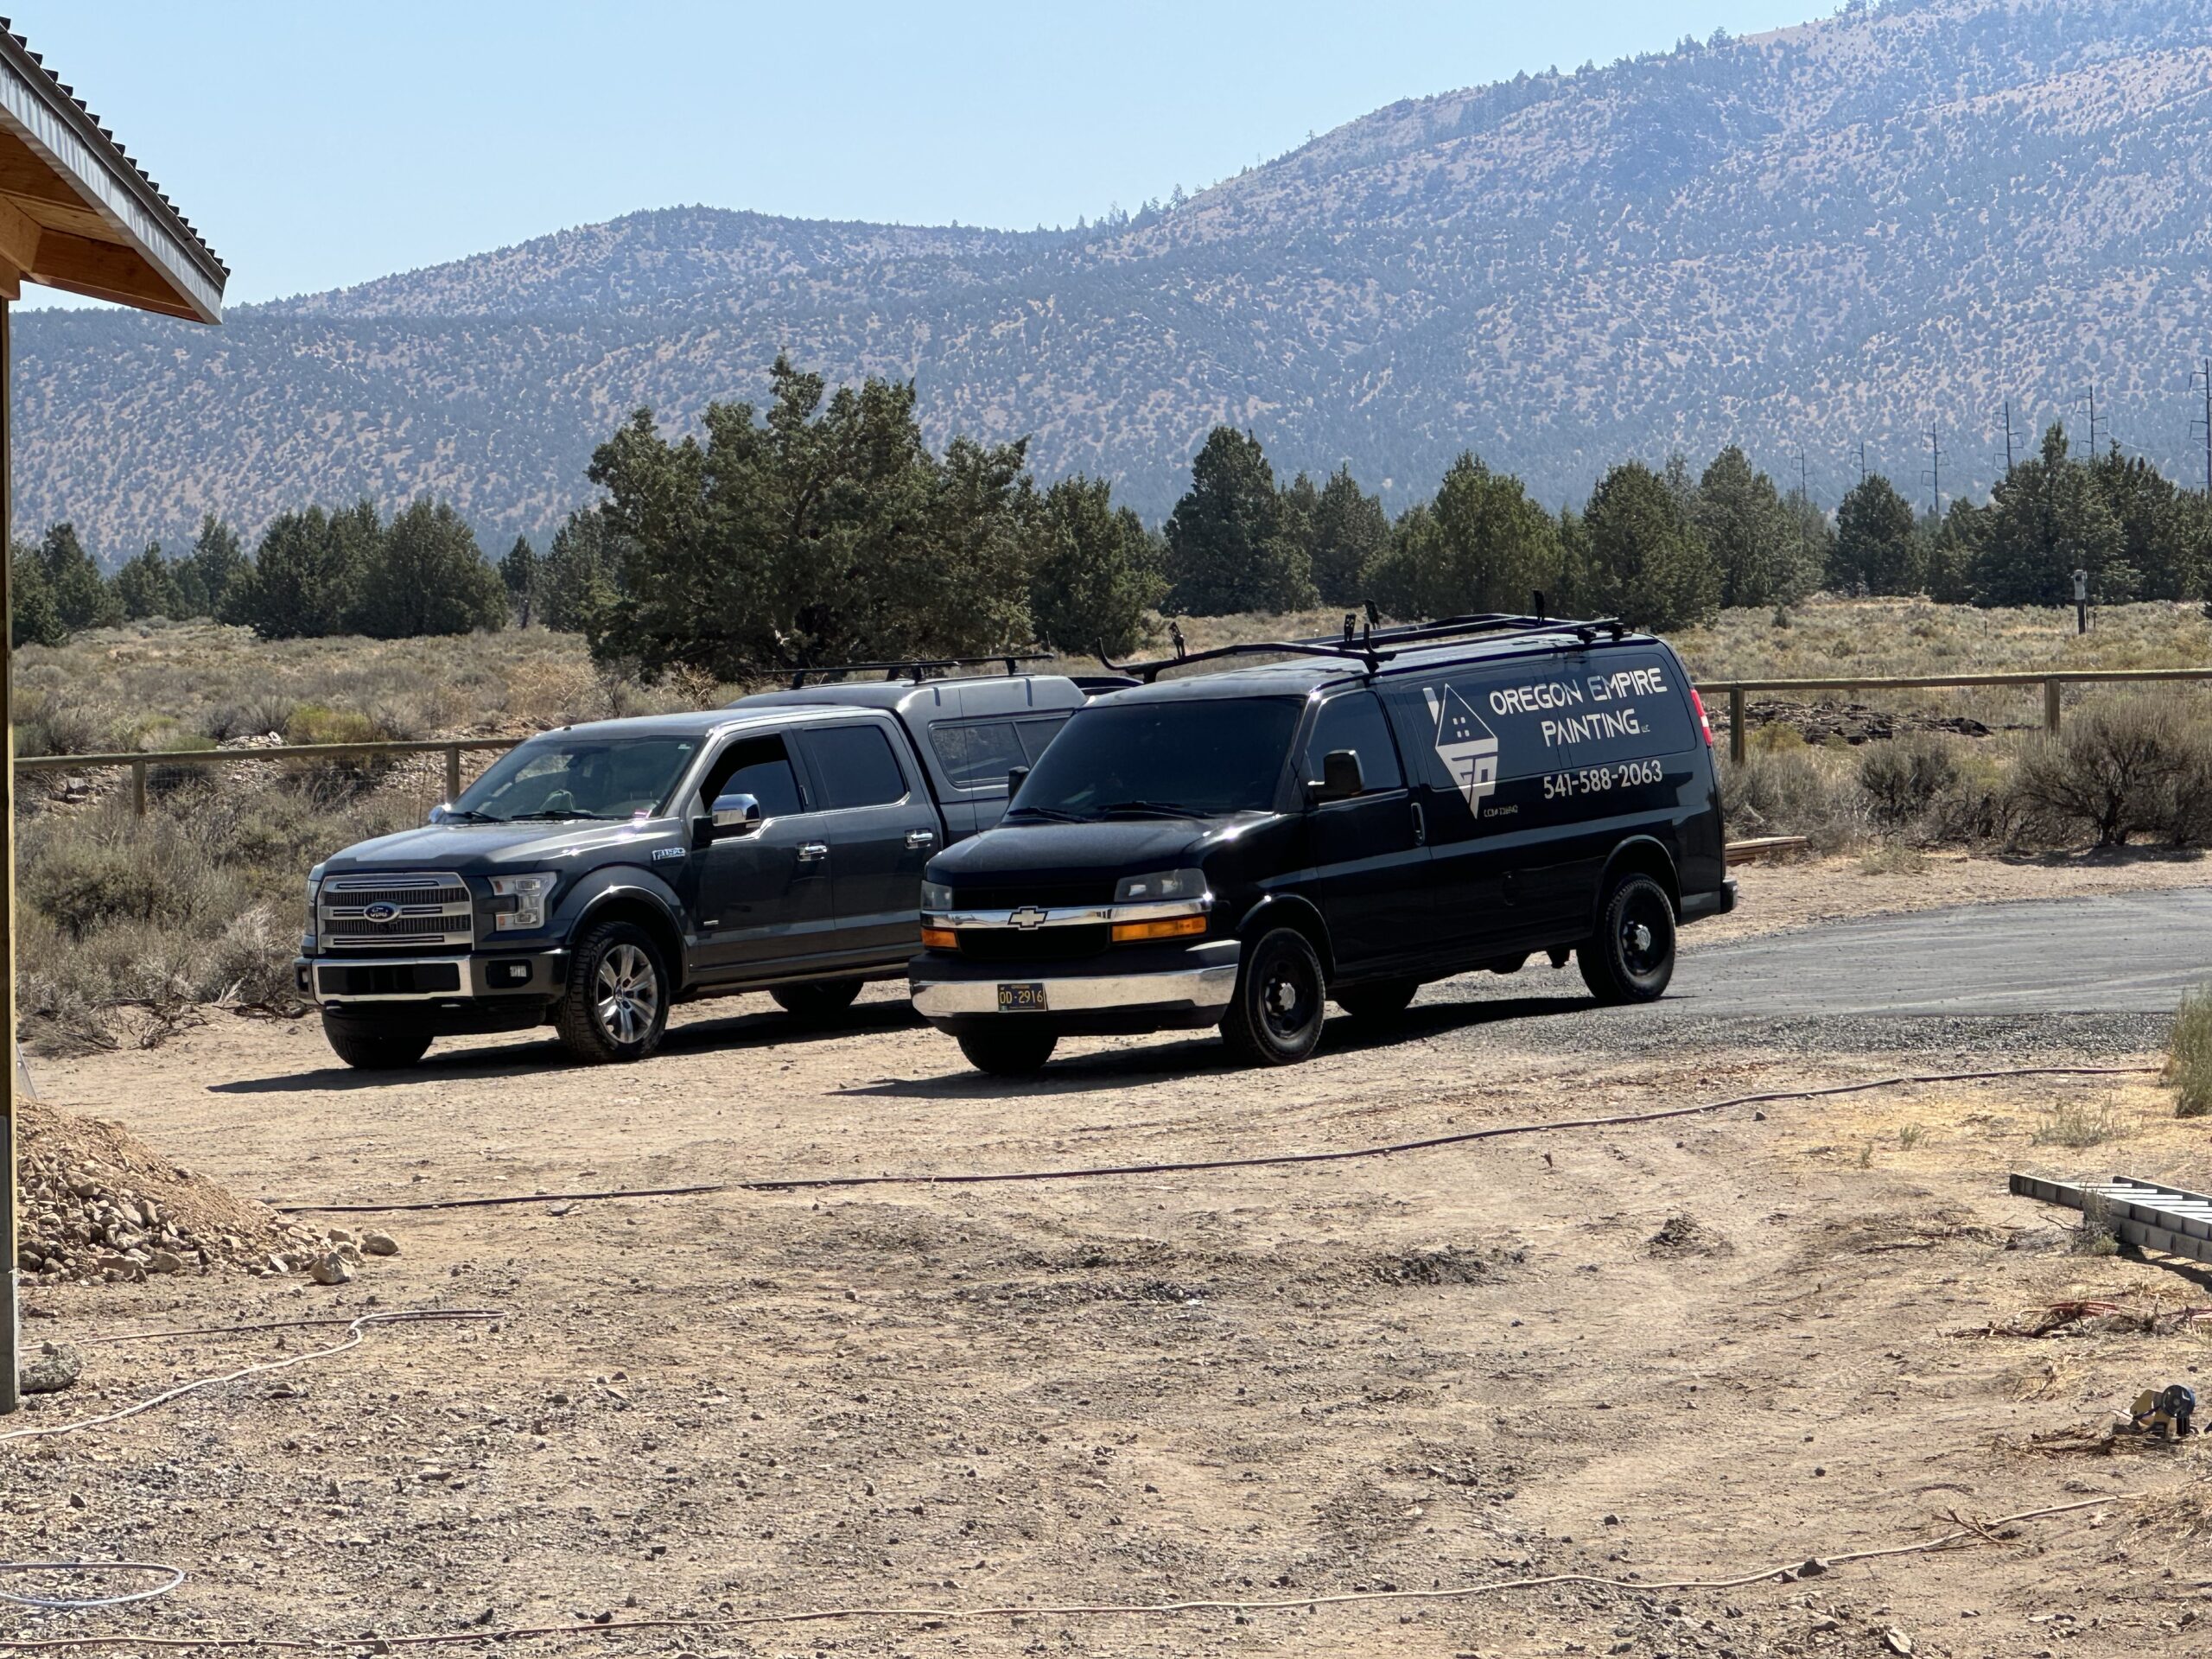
column 405, row 912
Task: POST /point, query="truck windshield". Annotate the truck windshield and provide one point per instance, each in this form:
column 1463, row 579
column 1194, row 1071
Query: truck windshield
column 571, row 777
column 1202, row 758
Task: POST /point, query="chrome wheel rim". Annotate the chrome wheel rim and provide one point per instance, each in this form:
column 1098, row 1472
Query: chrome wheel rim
column 628, row 994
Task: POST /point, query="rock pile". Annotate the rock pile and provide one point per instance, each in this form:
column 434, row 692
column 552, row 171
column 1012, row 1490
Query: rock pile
column 99, row 1205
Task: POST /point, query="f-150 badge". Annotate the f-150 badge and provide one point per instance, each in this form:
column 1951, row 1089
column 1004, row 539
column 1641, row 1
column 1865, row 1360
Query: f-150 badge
column 1466, row 746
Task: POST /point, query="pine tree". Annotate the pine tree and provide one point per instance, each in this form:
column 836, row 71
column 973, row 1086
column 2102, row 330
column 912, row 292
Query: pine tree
column 1481, row 546
column 1097, row 573
column 2160, row 556
column 146, row 586
column 2047, row 520
column 1347, row 533
column 81, row 596
column 306, row 577
column 1877, row 541
column 519, row 572
column 1754, row 536
column 427, row 577
column 216, row 563
column 34, row 619
column 581, row 575
column 1227, row 550
column 1645, row 562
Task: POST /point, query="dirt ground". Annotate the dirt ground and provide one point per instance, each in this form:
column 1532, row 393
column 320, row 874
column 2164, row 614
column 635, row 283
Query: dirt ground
column 1693, row 1349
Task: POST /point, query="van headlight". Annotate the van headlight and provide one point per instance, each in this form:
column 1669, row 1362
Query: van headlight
column 1160, row 884
column 519, row 901
column 935, row 897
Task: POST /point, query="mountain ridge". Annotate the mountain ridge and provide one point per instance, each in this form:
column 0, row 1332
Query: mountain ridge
column 1857, row 228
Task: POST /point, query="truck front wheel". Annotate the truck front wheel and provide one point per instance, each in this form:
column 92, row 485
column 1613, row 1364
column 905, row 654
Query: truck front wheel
column 1015, row 1053
column 818, row 1003
column 616, row 1007
column 375, row 1045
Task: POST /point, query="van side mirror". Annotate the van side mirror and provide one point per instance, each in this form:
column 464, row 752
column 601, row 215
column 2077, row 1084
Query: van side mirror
column 1013, row 779
column 734, row 815
column 1340, row 777
column 440, row 813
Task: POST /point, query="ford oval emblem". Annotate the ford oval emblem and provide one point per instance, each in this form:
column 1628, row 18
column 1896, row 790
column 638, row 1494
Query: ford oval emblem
column 381, row 913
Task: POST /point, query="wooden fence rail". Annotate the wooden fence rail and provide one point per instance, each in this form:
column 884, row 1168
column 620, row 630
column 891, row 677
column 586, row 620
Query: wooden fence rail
column 2052, row 684
column 1734, row 691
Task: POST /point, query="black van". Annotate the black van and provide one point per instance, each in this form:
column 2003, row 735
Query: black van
column 1384, row 810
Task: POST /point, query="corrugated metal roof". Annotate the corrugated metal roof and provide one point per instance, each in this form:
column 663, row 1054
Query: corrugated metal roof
column 93, row 125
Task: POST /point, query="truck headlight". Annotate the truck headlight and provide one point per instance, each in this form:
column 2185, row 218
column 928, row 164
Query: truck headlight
column 935, row 897
column 314, row 895
column 1160, row 884
column 519, row 901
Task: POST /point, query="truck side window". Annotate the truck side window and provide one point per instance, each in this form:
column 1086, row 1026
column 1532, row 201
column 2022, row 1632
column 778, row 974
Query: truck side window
column 760, row 767
column 977, row 753
column 1354, row 721
column 855, row 768
column 1036, row 734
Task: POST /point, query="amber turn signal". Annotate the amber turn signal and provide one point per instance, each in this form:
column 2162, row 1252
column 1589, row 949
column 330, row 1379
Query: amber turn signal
column 939, row 938
column 1137, row 932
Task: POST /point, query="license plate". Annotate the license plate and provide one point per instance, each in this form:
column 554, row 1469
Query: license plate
column 1021, row 999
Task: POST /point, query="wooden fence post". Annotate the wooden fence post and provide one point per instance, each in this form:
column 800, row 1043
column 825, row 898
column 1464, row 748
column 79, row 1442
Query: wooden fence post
column 137, row 789
column 1736, row 735
column 452, row 771
column 2050, row 707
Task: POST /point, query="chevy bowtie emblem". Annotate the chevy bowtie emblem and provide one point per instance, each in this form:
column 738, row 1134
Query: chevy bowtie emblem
column 381, row 913
column 1027, row 918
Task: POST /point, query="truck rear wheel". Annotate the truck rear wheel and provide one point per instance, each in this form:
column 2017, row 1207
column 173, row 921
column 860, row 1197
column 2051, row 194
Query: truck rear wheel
column 1631, row 955
column 1008, row 1053
column 1274, row 1018
column 375, row 1045
column 616, row 1004
column 818, row 1003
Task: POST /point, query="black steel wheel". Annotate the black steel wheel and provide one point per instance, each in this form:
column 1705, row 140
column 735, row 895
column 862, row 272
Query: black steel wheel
column 1376, row 1001
column 616, row 1004
column 1274, row 1018
column 1631, row 955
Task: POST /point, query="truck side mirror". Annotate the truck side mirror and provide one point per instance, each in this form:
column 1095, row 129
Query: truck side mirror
column 734, row 815
column 1340, row 777
column 1013, row 781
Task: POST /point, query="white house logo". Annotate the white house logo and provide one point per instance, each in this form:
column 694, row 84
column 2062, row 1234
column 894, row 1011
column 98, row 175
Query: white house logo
column 381, row 913
column 1027, row 918
column 1466, row 746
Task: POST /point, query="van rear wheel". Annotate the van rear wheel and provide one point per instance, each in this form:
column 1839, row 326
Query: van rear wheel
column 1631, row 955
column 1376, row 1001
column 1274, row 1017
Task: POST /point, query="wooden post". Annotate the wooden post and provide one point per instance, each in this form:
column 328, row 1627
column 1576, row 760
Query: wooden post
column 2050, row 707
column 137, row 789
column 1736, row 734
column 11, row 1315
column 452, row 771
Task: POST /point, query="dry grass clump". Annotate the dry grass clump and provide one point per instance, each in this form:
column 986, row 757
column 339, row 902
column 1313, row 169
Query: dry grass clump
column 2079, row 1127
column 2189, row 1054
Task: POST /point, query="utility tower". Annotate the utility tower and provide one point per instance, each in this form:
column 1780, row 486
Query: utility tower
column 1934, row 472
column 2089, row 399
column 2203, row 375
column 2008, row 437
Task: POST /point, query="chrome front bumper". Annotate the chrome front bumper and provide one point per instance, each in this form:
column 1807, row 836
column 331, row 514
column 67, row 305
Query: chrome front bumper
column 1204, row 989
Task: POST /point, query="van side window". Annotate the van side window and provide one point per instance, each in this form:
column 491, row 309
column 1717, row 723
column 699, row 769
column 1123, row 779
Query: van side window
column 977, row 753
column 1037, row 734
column 1354, row 721
column 760, row 767
column 855, row 768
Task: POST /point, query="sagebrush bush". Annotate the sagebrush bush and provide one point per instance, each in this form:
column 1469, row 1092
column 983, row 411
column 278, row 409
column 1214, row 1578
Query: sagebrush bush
column 2120, row 770
column 1801, row 790
column 1904, row 778
column 2189, row 1054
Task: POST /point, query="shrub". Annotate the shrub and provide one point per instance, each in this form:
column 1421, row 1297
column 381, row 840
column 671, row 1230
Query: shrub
column 1902, row 780
column 1796, row 791
column 2115, row 773
column 311, row 722
column 2078, row 1126
column 2189, row 1054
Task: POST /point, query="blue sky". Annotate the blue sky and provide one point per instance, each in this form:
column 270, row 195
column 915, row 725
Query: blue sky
column 317, row 143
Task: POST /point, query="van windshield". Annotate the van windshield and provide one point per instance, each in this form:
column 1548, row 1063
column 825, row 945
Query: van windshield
column 1199, row 759
column 576, row 778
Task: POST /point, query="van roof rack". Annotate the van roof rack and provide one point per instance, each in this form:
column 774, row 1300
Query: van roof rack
column 1374, row 644
column 918, row 668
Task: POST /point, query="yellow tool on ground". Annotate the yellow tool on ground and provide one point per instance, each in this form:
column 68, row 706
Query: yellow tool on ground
column 2165, row 1411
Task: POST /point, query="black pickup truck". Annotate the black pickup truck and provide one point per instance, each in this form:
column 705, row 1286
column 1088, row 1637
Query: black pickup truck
column 1378, row 812
column 596, row 875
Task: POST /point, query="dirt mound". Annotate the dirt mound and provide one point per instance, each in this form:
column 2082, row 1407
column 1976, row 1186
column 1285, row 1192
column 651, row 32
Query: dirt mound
column 1854, row 722
column 99, row 1204
column 1687, row 1236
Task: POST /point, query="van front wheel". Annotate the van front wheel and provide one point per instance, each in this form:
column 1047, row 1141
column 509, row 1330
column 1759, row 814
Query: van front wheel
column 1631, row 955
column 1274, row 1018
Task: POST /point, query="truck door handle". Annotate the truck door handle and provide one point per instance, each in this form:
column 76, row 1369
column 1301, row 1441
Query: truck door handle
column 920, row 837
column 1421, row 827
column 813, row 852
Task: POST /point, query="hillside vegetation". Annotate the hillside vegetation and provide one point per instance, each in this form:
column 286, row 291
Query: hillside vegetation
column 1856, row 230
